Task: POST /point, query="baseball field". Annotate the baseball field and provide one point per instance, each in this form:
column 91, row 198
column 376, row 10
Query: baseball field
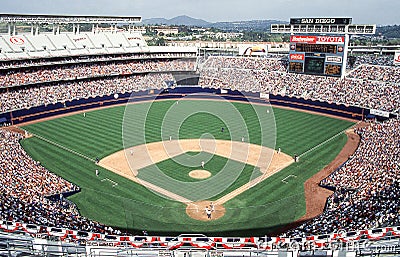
column 160, row 163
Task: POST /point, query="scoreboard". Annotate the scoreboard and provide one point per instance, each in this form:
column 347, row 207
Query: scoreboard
column 318, row 55
column 325, row 21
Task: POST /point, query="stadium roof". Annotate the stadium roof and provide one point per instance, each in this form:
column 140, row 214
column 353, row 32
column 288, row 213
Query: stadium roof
column 64, row 19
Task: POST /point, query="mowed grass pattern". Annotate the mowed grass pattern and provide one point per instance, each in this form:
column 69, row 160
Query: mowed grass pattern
column 130, row 205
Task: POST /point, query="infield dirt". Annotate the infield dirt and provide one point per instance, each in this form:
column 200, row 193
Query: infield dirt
column 129, row 161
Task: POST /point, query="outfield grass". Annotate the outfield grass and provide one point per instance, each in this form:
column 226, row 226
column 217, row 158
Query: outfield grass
column 129, row 205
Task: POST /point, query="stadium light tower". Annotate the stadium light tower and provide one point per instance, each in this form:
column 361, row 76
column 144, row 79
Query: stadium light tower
column 319, row 46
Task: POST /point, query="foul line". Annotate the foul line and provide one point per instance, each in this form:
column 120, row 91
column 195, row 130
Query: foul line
column 62, row 147
column 290, row 176
column 111, row 181
column 326, row 141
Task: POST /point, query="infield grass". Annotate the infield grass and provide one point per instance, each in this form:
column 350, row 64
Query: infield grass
column 129, row 205
column 177, row 170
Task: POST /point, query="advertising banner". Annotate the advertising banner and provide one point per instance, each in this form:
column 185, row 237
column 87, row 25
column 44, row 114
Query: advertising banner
column 317, row 39
column 396, row 59
column 296, row 57
column 379, row 113
column 335, row 59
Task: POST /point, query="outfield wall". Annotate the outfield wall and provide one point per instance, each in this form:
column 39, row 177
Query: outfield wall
column 45, row 111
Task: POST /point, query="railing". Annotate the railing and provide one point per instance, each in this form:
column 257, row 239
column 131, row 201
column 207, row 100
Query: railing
column 364, row 242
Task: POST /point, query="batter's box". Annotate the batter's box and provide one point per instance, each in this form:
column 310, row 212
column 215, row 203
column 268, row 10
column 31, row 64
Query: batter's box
column 285, row 180
column 114, row 184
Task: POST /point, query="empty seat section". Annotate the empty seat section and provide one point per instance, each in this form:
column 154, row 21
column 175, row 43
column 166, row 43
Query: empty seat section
column 16, row 43
column 134, row 39
column 118, row 40
column 40, row 42
column 4, row 46
column 100, row 41
column 81, row 40
column 62, row 41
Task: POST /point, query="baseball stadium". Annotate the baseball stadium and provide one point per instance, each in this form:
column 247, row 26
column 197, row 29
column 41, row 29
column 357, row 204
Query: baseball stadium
column 111, row 147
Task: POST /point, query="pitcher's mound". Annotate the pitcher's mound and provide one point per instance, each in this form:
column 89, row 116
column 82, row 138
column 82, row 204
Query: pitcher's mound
column 200, row 174
column 196, row 210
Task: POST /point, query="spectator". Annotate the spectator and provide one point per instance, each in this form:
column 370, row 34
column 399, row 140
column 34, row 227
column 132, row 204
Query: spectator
column 367, row 187
column 25, row 187
column 60, row 92
column 375, row 87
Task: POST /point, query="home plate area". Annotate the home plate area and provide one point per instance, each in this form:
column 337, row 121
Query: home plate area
column 129, row 161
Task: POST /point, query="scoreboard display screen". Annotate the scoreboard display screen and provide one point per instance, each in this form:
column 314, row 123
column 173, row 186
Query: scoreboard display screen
column 318, row 55
column 296, row 67
column 316, row 48
column 314, row 65
column 332, row 69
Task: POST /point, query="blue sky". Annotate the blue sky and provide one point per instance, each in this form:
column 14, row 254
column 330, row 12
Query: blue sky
column 362, row 11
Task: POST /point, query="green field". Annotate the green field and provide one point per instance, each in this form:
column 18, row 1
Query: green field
column 177, row 172
column 129, row 205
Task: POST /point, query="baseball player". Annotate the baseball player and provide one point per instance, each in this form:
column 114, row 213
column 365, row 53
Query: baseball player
column 208, row 212
column 212, row 207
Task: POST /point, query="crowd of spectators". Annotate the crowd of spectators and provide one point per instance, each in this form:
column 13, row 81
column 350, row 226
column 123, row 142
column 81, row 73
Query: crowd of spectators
column 21, row 176
column 60, row 92
column 379, row 73
column 366, row 86
column 252, row 63
column 376, row 88
column 367, row 186
column 372, row 59
column 35, row 75
column 47, row 213
column 7, row 64
column 25, row 187
column 223, row 78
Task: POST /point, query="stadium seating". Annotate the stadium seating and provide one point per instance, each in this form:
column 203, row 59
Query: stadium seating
column 367, row 187
column 366, row 195
column 61, row 92
column 4, row 45
column 88, row 70
column 367, row 86
column 372, row 59
column 25, row 190
column 27, row 46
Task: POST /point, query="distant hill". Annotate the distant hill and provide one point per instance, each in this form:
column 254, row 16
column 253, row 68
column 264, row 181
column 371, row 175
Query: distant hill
column 390, row 31
column 254, row 25
column 179, row 20
column 155, row 21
